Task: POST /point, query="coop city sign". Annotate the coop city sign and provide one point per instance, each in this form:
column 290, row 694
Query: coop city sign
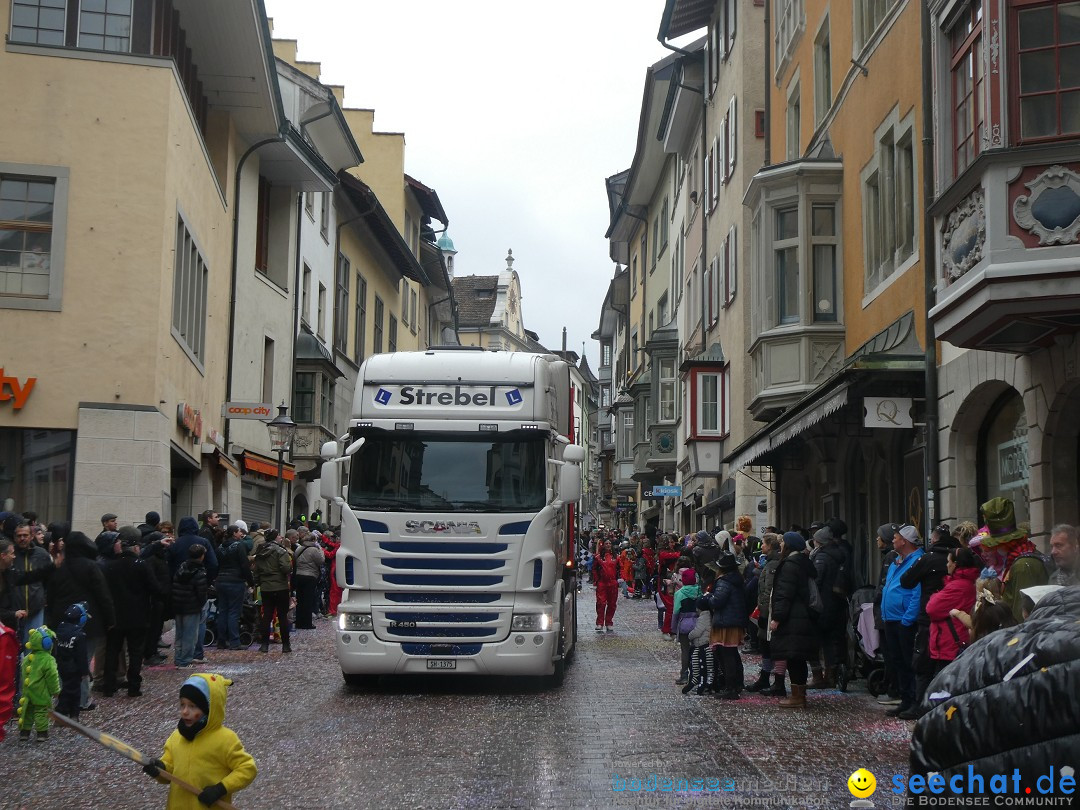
column 11, row 388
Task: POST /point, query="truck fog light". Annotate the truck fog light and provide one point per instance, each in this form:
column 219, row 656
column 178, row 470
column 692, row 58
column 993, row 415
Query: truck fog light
column 346, row 638
column 519, row 640
column 538, row 640
column 362, row 639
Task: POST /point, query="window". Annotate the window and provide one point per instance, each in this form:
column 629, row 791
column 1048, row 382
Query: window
column 626, row 436
column 662, row 310
column 717, row 162
column 634, row 349
column 713, row 402
column 707, row 290
column 822, row 72
column 789, row 20
column 268, row 370
column 730, row 266
column 712, row 57
column 966, row 76
column 361, row 318
column 605, row 397
column 869, row 15
column 651, row 325
column 262, row 227
column 759, row 123
column 305, row 297
column 321, row 332
column 664, row 220
column 38, row 21
column 633, row 277
column 105, row 25
column 33, row 213
column 824, row 244
column 309, row 204
column 403, row 294
column 376, row 343
column 190, row 278
column 655, row 241
column 707, row 182
column 667, row 389
column 786, row 254
column 645, row 403
column 732, row 131
column 794, row 115
column 889, row 203
column 1048, row 69
column 729, row 12
column 313, row 399
column 412, row 310
column 391, row 335
column 324, row 222
column 605, row 355
column 341, row 305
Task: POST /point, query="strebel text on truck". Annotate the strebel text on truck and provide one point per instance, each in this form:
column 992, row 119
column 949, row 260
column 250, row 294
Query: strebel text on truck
column 457, row 519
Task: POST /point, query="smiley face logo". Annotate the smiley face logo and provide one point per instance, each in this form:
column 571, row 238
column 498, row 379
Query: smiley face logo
column 862, row 783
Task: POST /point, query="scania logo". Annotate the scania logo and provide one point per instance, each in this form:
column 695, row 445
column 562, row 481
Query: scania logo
column 441, row 527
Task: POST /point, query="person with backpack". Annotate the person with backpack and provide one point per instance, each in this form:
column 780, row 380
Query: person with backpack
column 307, row 567
column 233, row 580
column 273, row 565
column 793, row 627
column 830, row 566
column 929, row 574
column 900, row 612
column 686, row 614
column 1006, row 548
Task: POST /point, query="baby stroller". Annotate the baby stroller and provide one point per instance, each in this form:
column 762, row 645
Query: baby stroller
column 864, row 658
column 248, row 620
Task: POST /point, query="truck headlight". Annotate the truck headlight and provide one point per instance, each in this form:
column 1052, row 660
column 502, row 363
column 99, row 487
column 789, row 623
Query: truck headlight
column 355, row 621
column 531, row 621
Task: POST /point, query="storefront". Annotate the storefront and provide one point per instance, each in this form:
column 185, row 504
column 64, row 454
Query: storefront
column 37, row 471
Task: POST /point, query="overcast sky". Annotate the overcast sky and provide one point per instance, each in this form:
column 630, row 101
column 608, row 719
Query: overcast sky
column 514, row 113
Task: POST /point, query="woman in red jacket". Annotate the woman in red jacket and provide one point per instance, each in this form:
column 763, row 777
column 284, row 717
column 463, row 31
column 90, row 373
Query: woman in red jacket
column 665, row 589
column 958, row 594
column 330, row 554
column 606, row 577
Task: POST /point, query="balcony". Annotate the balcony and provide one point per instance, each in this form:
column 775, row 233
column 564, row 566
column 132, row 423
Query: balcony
column 1014, row 286
column 791, row 362
column 308, row 440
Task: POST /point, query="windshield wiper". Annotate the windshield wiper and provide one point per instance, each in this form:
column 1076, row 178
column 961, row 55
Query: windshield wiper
column 384, row 504
column 475, row 506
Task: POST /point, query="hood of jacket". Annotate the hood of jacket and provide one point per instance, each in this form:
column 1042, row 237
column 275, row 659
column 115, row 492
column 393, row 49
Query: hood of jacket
column 215, row 688
column 187, row 525
column 78, row 544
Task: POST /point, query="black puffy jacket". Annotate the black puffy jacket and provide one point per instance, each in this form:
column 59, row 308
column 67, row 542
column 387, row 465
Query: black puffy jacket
column 797, row 635
column 929, row 572
column 80, row 579
column 728, row 601
column 1030, row 722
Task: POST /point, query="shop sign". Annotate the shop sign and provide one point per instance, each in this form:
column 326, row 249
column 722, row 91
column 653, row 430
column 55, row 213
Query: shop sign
column 190, row 419
column 263, row 411
column 216, row 439
column 664, row 492
column 887, row 412
column 12, row 389
column 1013, row 463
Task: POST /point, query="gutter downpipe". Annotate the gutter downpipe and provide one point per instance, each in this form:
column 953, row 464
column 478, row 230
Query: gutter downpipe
column 930, row 463
column 704, row 204
column 768, row 87
column 279, row 138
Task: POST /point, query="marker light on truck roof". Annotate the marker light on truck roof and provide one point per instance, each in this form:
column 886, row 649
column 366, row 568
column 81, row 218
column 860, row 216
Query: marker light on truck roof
column 530, row 427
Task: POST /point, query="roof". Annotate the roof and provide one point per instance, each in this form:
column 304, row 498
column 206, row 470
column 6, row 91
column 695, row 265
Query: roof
column 684, row 16
column 309, row 349
column 446, row 244
column 374, row 216
column 429, row 200
column 586, row 372
column 472, row 309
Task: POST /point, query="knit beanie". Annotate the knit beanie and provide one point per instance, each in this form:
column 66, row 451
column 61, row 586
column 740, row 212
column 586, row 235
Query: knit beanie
column 197, row 691
column 794, row 541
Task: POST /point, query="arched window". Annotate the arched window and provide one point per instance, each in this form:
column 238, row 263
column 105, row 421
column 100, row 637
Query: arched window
column 1003, row 455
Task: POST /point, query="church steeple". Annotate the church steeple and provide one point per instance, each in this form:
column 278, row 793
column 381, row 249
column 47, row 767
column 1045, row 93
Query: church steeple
column 446, row 245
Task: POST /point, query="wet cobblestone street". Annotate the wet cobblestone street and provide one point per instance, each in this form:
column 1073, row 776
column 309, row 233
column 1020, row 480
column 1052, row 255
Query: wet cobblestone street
column 452, row 742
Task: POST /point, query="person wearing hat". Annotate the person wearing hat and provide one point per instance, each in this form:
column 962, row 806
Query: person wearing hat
column 729, row 613
column 686, row 613
column 132, row 585
column 706, row 550
column 1006, row 548
column 150, row 524
column 793, row 631
column 202, row 751
column 900, row 612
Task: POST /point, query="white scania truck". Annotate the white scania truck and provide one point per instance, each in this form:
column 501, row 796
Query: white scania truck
column 457, row 547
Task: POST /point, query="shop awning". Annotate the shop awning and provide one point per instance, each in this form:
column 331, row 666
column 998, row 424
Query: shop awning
column 798, row 419
column 230, row 465
column 267, row 466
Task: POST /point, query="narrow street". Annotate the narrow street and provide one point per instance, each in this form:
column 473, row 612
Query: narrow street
column 437, row 742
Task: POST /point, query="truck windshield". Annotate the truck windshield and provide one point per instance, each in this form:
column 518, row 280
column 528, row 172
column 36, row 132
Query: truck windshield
column 449, row 472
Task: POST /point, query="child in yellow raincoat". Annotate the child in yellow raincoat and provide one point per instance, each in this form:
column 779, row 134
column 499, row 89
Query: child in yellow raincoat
column 202, row 751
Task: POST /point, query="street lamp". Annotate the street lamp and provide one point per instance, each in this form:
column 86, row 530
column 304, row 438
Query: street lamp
column 281, row 428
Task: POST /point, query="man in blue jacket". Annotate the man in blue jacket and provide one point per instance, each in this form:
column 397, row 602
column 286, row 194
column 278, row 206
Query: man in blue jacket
column 899, row 611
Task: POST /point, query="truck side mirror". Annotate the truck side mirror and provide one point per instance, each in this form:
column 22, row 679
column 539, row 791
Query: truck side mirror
column 573, row 453
column 329, row 480
column 569, row 483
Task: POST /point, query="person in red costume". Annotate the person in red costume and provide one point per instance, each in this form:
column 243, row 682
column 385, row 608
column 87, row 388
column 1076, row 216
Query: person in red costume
column 606, row 577
column 330, row 546
column 665, row 564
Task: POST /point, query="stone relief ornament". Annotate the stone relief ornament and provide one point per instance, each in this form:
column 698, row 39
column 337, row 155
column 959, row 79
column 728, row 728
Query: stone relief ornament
column 964, row 236
column 1052, row 210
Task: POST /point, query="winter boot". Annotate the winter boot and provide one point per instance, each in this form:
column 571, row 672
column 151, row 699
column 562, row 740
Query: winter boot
column 286, row 647
column 761, row 684
column 264, row 647
column 777, row 689
column 797, row 699
column 823, row 679
column 42, row 736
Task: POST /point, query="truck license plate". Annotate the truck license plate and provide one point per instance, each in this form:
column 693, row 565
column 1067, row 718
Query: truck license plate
column 441, row 663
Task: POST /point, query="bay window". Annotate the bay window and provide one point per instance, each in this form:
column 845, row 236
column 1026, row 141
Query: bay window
column 667, row 389
column 966, row 76
column 1047, row 69
column 786, row 252
column 713, row 395
column 824, row 243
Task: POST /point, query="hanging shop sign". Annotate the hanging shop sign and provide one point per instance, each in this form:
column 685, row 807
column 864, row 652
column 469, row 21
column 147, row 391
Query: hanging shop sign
column 263, row 411
column 664, row 492
column 887, row 412
column 1013, row 463
column 190, row 419
column 12, row 388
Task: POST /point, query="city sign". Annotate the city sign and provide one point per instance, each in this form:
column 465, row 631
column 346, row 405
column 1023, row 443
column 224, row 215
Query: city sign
column 262, row 411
